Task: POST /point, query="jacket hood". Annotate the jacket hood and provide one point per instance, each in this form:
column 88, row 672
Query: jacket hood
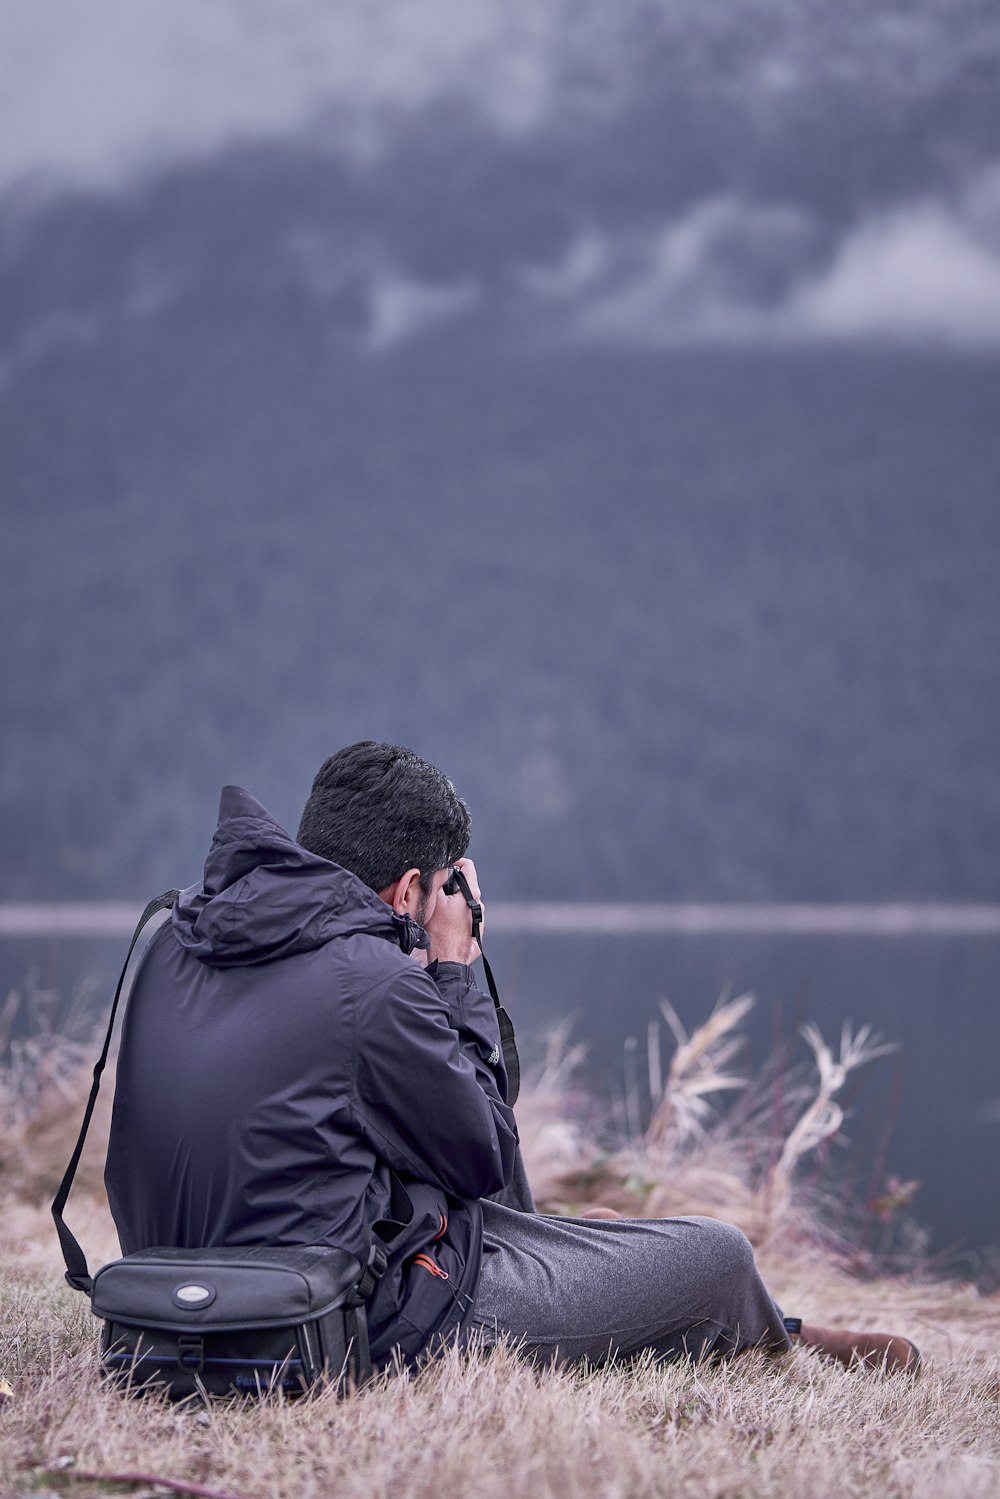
column 264, row 896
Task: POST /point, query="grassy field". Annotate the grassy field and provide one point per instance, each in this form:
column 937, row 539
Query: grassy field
column 799, row 1427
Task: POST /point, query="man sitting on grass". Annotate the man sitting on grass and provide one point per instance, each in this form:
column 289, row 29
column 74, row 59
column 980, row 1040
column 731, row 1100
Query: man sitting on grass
column 304, row 1034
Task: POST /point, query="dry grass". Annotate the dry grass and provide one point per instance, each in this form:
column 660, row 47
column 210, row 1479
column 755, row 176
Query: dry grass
column 492, row 1426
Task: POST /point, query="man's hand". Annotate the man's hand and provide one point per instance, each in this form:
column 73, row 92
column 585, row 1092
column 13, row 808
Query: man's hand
column 449, row 925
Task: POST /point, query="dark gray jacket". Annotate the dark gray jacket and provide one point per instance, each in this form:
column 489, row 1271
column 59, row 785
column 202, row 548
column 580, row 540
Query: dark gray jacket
column 281, row 1053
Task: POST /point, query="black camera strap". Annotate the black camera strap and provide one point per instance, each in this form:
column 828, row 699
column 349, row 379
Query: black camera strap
column 76, row 1261
column 507, row 1042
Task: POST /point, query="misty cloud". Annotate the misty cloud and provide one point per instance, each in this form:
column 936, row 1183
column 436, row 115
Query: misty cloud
column 916, row 276
column 91, row 95
column 518, row 92
column 401, row 308
column 739, row 274
column 708, row 276
column 583, row 266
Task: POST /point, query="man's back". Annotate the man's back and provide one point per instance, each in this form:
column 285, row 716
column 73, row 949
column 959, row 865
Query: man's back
column 232, row 1087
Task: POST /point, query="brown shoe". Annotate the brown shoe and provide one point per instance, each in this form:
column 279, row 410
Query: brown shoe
column 875, row 1350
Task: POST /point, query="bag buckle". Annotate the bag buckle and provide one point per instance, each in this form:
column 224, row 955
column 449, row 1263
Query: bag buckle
column 374, row 1271
column 191, row 1352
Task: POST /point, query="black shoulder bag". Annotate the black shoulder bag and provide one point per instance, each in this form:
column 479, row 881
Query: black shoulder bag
column 221, row 1321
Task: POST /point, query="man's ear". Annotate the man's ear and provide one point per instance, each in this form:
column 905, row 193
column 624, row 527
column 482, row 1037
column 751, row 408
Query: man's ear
column 404, row 894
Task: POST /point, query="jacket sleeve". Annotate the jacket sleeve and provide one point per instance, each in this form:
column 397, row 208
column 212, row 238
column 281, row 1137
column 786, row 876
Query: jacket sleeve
column 426, row 1076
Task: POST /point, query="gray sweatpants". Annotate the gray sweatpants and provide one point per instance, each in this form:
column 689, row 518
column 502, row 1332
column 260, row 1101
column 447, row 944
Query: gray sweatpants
column 566, row 1289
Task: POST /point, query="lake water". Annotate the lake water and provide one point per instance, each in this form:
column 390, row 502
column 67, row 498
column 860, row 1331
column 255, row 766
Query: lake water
column 938, row 998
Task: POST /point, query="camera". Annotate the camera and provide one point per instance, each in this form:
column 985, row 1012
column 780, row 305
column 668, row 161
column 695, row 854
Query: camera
column 456, row 884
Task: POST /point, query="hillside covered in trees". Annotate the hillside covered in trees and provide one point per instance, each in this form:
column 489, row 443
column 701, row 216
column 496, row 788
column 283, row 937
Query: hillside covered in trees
column 679, row 626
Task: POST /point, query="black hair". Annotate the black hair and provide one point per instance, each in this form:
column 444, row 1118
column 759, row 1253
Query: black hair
column 379, row 810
